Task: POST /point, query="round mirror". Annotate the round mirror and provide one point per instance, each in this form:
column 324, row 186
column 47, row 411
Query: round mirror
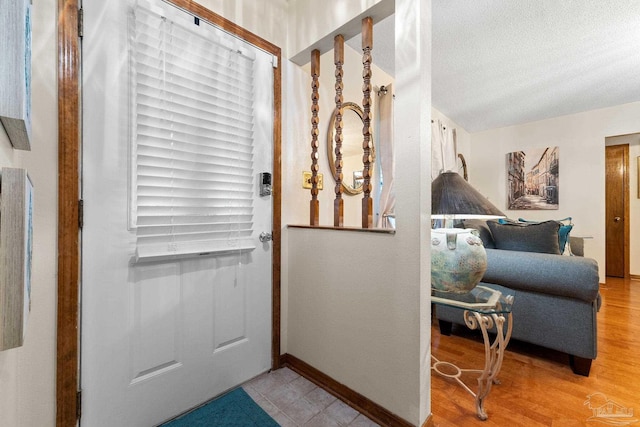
column 352, row 152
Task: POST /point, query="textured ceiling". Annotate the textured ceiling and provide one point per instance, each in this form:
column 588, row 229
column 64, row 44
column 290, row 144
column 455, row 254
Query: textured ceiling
column 497, row 63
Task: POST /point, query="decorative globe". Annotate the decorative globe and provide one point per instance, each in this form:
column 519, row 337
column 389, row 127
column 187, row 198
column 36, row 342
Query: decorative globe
column 458, row 259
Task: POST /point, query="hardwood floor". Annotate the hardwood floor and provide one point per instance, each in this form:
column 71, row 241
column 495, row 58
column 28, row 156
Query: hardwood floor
column 537, row 386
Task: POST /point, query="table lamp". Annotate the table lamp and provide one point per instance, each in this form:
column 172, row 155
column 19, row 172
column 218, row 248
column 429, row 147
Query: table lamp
column 458, row 258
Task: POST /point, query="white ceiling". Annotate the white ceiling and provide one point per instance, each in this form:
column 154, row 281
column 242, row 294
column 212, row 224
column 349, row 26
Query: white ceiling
column 497, row 63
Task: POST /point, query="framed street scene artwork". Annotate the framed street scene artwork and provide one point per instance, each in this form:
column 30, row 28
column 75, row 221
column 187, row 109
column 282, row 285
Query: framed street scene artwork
column 533, row 179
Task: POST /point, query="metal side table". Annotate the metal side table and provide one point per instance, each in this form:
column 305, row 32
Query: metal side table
column 484, row 308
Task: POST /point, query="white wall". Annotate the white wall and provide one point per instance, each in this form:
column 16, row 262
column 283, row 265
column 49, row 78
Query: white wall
column 358, row 305
column 265, row 18
column 27, row 373
column 354, row 312
column 311, row 21
column 581, row 139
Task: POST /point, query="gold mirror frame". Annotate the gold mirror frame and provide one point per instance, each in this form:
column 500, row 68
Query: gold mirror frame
column 347, row 106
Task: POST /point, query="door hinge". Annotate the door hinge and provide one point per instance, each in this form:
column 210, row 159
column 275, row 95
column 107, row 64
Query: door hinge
column 81, row 22
column 78, row 404
column 80, row 213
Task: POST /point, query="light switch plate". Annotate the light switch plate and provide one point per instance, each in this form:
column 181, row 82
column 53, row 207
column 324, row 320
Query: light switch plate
column 306, row 180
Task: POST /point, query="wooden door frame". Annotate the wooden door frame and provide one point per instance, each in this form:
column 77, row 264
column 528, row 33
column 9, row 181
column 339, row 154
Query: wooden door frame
column 69, row 149
column 67, row 346
column 626, row 208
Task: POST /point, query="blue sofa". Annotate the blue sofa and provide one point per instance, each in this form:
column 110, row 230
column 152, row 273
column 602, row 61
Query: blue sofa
column 556, row 301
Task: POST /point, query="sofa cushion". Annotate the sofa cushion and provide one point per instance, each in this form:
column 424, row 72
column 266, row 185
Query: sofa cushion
column 571, row 277
column 528, row 237
column 483, row 230
column 563, row 233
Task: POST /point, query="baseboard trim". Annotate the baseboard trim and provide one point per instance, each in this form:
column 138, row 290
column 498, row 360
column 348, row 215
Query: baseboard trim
column 352, row 398
column 634, row 277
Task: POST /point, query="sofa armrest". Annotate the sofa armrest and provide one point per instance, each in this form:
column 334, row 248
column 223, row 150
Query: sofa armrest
column 572, row 277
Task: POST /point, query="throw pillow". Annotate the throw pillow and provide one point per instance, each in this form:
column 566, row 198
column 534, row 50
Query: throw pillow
column 483, row 230
column 563, row 232
column 527, row 237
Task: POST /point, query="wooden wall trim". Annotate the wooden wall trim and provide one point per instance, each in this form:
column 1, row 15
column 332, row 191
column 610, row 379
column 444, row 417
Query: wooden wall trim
column 277, row 215
column 390, row 231
column 67, row 375
column 354, row 399
column 203, row 13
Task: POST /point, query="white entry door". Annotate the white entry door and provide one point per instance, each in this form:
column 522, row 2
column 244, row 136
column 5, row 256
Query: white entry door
column 162, row 335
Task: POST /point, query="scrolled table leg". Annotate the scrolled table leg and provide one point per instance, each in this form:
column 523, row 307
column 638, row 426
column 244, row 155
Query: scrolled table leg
column 494, row 352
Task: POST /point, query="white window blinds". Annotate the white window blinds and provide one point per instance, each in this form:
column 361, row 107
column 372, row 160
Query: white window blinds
column 193, row 179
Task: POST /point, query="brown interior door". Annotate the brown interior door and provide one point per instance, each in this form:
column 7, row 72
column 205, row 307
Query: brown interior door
column 617, row 193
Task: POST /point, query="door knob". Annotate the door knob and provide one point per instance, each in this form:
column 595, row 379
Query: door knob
column 265, row 237
column 616, row 219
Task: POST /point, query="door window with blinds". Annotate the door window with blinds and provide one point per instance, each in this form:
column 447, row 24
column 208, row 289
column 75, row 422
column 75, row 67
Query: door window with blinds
column 192, row 138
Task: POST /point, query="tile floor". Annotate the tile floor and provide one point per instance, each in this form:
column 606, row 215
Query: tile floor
column 294, row 401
